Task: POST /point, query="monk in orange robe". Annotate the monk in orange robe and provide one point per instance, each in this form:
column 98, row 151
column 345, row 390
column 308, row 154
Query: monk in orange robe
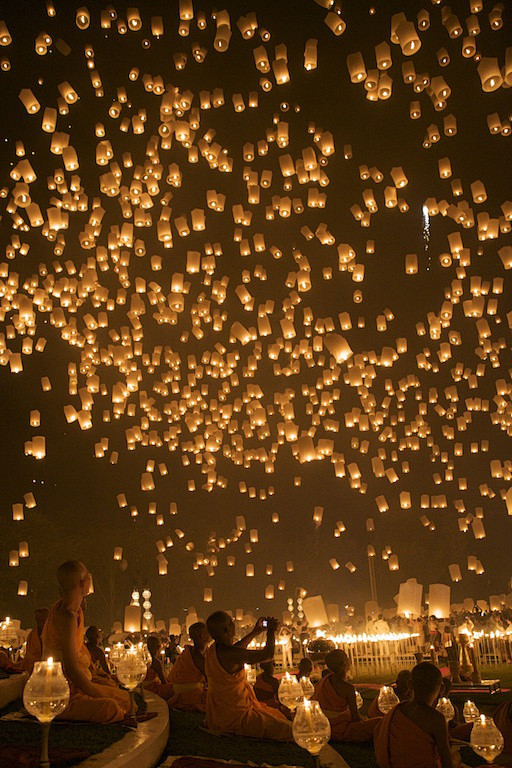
column 337, row 698
column 155, row 680
column 266, row 685
column 63, row 639
column 503, row 720
column 231, row 704
column 33, row 647
column 401, row 688
column 414, row 734
column 187, row 675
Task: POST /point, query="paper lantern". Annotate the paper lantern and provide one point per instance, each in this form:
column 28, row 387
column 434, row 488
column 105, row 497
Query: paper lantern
column 269, row 592
column 23, row 588
column 455, row 572
column 490, row 74
column 132, row 618
column 409, row 598
column 439, row 601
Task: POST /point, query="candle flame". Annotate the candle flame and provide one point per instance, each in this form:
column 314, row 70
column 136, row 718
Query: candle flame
column 49, row 662
column 482, row 719
column 307, row 704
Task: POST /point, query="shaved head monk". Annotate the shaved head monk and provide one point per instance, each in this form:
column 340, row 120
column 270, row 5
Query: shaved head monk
column 337, row 698
column 231, row 704
column 414, row 734
column 187, row 674
column 63, row 639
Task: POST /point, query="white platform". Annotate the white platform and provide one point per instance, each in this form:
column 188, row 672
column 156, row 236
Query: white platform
column 12, row 688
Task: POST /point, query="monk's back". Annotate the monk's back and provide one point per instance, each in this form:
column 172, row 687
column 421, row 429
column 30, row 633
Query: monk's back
column 51, row 639
column 232, row 706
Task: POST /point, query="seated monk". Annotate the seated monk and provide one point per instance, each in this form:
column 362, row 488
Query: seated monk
column 63, row 639
column 187, row 674
column 155, row 680
column 33, row 647
column 266, row 685
column 401, row 688
column 6, row 663
column 337, row 698
column 414, row 734
column 503, row 720
column 231, row 704
column 93, row 638
column 305, row 668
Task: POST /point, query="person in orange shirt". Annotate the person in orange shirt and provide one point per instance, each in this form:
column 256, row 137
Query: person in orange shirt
column 266, row 685
column 414, row 734
column 155, row 681
column 63, row 639
column 337, row 698
column 187, row 675
column 231, row 704
column 93, row 638
column 33, row 647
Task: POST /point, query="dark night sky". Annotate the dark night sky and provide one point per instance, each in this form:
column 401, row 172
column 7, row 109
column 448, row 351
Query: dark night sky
column 77, row 514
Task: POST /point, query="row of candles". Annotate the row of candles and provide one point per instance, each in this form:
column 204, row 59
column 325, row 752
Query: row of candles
column 46, row 695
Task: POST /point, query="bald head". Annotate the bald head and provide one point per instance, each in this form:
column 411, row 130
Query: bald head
column 426, row 680
column 71, row 576
column 199, row 634
column 154, row 645
column 337, row 661
column 221, row 627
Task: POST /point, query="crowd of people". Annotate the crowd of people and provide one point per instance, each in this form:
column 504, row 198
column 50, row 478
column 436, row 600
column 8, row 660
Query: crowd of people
column 209, row 675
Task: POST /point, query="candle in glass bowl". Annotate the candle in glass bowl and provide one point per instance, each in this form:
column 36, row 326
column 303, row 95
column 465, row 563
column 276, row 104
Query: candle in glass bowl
column 310, row 728
column 307, row 686
column 46, row 693
column 387, row 699
column 470, row 711
column 289, row 692
column 131, row 668
column 486, row 740
column 250, row 674
column 446, row 708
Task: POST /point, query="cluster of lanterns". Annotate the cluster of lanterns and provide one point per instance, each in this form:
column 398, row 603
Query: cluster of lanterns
column 248, row 365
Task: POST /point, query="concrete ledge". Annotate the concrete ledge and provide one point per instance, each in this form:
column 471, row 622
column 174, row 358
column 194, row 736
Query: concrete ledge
column 142, row 748
column 11, row 688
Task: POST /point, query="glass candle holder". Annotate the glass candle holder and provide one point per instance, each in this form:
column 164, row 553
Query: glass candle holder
column 359, row 700
column 310, row 728
column 250, row 674
column 45, row 696
column 387, row 699
column 290, row 692
column 446, row 708
column 307, row 686
column 486, row 740
column 470, row 712
column 131, row 670
column 46, row 693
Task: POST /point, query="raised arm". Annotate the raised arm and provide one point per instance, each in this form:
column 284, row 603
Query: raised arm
column 235, row 656
column 255, row 631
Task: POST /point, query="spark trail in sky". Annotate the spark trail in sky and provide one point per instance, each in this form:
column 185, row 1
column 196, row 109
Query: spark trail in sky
column 426, row 233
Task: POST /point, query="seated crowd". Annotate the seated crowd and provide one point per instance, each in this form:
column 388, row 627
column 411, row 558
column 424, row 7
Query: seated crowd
column 209, row 676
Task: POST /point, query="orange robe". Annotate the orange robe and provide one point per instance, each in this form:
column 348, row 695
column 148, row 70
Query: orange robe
column 373, row 709
column 400, row 743
column 5, row 662
column 153, row 684
column 504, row 724
column 112, row 703
column 33, row 651
column 188, row 682
column 343, row 728
column 232, row 706
column 265, row 692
